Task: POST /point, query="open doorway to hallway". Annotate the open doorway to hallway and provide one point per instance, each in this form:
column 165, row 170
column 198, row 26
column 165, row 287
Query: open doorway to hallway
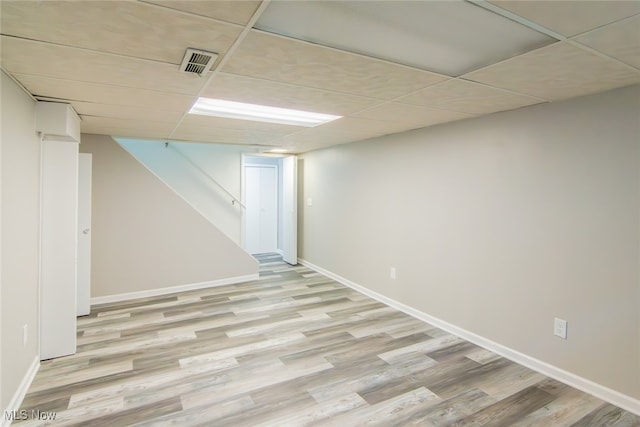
column 269, row 192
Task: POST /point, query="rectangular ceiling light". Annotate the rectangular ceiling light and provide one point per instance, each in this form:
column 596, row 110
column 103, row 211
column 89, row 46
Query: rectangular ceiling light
column 447, row 37
column 259, row 113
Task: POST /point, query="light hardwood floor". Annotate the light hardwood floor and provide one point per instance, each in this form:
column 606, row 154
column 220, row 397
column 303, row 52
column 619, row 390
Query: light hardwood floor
column 293, row 348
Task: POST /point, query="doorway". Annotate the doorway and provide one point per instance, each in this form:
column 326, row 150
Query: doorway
column 261, row 201
column 270, row 196
column 83, row 274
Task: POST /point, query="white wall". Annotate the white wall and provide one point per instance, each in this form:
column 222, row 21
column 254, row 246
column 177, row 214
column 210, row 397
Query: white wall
column 20, row 225
column 497, row 225
column 145, row 237
column 221, row 162
column 2, row 405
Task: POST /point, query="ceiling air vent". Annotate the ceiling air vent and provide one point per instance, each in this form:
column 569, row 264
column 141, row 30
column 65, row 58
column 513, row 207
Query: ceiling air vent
column 197, row 61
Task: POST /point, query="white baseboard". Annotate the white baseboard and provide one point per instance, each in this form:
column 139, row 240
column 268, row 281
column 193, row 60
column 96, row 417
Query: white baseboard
column 172, row 289
column 21, row 392
column 616, row 398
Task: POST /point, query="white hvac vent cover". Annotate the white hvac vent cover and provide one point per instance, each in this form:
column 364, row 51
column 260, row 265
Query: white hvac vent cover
column 197, row 61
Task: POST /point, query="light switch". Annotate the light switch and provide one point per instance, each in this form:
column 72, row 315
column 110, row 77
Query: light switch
column 309, row 201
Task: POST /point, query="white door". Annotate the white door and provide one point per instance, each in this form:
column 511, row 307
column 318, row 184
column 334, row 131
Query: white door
column 83, row 305
column 261, row 214
column 58, row 248
column 289, row 244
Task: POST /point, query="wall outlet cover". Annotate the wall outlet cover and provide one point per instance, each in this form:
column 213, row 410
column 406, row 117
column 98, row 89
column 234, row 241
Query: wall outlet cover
column 560, row 328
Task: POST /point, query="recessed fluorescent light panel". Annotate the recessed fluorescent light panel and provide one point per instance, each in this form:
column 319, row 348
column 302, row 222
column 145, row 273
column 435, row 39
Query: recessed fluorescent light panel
column 259, row 113
column 448, row 37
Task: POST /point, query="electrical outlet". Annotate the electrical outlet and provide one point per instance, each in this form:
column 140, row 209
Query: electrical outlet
column 560, row 328
column 24, row 334
column 392, row 273
column 309, row 201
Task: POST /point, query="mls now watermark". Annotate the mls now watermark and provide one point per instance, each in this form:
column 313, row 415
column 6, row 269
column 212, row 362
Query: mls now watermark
column 34, row 414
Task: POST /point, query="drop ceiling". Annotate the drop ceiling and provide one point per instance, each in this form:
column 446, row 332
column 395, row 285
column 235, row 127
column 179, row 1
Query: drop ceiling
column 386, row 66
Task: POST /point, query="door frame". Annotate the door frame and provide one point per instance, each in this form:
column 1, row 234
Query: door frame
column 83, row 275
column 246, row 161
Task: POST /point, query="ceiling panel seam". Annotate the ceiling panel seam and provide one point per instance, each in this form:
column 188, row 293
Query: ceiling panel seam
column 602, row 55
column 102, row 84
column 224, row 59
column 190, row 14
column 107, row 84
column 512, row 58
column 332, row 91
column 517, row 18
column 599, row 28
column 461, row 78
column 359, row 55
column 84, row 49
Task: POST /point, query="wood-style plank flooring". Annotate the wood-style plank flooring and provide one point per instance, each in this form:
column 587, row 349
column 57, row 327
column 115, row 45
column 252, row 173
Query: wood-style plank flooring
column 291, row 349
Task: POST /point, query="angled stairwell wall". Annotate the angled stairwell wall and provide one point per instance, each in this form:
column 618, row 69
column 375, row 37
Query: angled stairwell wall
column 146, row 240
column 206, row 176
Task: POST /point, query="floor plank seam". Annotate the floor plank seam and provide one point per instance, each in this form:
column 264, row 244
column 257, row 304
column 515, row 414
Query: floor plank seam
column 292, row 348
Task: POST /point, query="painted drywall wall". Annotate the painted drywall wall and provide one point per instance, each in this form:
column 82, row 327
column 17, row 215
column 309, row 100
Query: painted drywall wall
column 2, row 404
column 172, row 165
column 146, row 237
column 20, row 225
column 497, row 225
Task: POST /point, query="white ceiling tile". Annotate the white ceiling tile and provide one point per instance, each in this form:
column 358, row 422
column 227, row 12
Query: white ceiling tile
column 468, row 97
column 118, row 94
column 196, row 120
column 125, row 133
column 307, row 141
column 571, row 17
column 557, row 72
column 304, row 148
column 300, row 147
column 127, row 28
column 620, row 40
column 347, row 129
column 410, row 114
column 221, row 136
column 29, row 57
column 271, row 57
column 238, row 12
column 230, row 131
column 70, row 90
column 363, row 126
column 126, row 112
column 124, row 127
column 448, row 37
column 265, row 92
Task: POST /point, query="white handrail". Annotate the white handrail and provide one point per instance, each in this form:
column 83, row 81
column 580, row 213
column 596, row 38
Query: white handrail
column 234, row 199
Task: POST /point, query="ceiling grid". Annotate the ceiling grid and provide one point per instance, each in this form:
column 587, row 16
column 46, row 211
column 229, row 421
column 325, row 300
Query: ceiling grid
column 117, row 62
